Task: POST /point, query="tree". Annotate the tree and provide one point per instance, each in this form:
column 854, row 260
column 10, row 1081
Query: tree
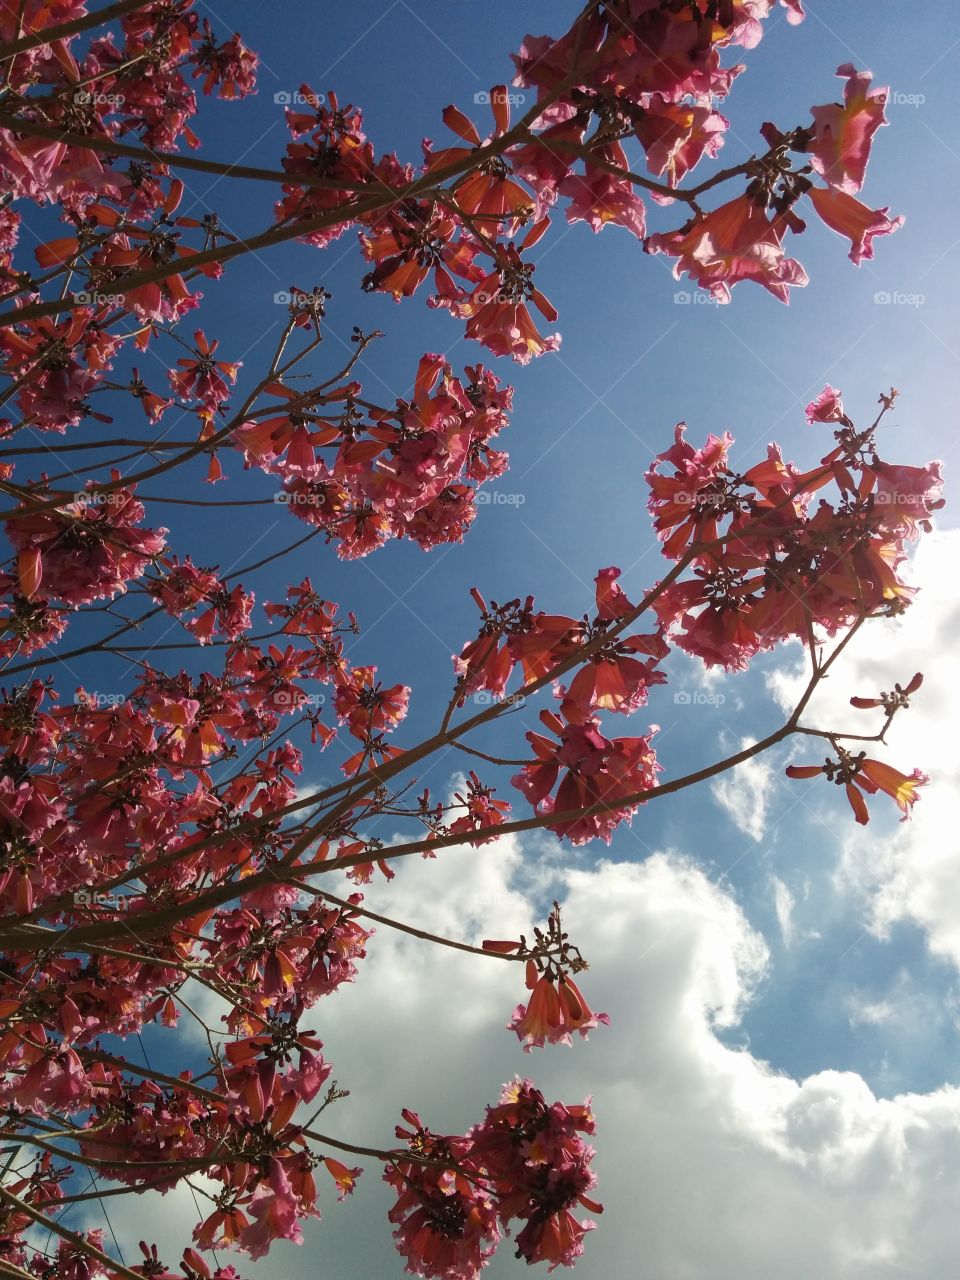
column 157, row 843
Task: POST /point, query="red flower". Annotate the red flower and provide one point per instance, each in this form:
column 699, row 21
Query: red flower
column 899, row 698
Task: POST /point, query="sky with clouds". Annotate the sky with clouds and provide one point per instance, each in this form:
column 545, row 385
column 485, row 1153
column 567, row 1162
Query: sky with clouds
column 778, row 1091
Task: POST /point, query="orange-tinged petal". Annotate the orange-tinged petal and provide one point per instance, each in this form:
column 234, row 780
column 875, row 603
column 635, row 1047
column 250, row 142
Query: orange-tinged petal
column 803, row 770
column 461, row 125
column 500, row 106
column 858, row 804
column 29, row 571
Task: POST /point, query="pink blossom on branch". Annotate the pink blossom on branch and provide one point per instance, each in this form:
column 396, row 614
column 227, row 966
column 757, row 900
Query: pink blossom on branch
column 827, row 407
column 554, row 1011
column 735, row 242
column 169, row 831
column 600, row 198
column 840, row 146
column 596, row 771
column 848, row 217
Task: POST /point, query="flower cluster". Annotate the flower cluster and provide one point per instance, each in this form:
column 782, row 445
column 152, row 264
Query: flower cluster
column 525, row 1162
column 164, row 837
column 649, row 75
column 411, row 471
column 766, row 565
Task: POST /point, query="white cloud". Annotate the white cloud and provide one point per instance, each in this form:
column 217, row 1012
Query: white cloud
column 712, row 1164
column 743, row 794
column 914, row 873
column 784, row 903
column 912, row 1012
column 870, row 1013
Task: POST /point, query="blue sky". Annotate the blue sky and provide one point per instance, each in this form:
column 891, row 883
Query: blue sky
column 857, row 979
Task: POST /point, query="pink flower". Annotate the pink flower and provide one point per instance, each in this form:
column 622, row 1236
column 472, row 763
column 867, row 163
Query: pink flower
column 848, row 217
column 445, row 1222
column 827, row 407
column 84, row 551
column 230, row 67
column 598, row 771
column 614, row 680
column 496, row 311
column 676, row 135
column 598, row 197
column 541, row 1169
column 309, row 1077
column 481, row 810
column 612, row 602
column 735, row 242
column 543, row 165
column 57, row 1079
column 497, row 315
column 552, row 1013
column 274, row 1209
column 687, row 505
column 908, row 496
column 204, row 378
column 842, row 136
